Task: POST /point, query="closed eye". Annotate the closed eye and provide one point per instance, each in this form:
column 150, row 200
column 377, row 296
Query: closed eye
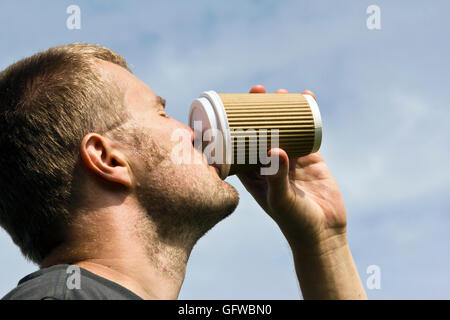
column 162, row 113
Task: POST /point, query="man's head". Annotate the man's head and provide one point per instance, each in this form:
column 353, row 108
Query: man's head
column 79, row 132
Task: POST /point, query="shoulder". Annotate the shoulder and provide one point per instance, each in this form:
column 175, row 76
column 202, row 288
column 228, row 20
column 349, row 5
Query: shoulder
column 65, row 282
column 42, row 284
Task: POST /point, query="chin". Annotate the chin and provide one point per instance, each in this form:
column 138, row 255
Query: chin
column 220, row 197
column 231, row 199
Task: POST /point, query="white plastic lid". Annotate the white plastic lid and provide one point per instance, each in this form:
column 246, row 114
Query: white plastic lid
column 209, row 109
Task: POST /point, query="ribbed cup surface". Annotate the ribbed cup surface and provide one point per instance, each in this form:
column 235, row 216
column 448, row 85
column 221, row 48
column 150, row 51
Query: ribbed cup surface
column 247, row 114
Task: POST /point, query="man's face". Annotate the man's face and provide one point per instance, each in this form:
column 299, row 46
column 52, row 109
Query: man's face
column 184, row 198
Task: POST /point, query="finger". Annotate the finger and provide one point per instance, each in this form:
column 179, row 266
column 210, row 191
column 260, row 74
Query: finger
column 309, row 159
column 281, row 91
column 279, row 183
column 259, row 88
column 251, row 175
column 310, row 93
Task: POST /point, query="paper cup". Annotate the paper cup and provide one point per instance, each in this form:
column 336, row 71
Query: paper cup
column 249, row 124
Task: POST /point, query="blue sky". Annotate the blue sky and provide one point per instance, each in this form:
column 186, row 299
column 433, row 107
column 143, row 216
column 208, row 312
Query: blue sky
column 383, row 95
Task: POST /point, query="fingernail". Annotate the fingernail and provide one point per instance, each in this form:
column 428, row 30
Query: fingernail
column 310, row 93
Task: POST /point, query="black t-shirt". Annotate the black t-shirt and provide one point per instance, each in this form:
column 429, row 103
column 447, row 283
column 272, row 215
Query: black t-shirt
column 57, row 283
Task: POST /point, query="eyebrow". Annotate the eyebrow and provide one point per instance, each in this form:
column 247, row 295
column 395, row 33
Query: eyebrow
column 162, row 101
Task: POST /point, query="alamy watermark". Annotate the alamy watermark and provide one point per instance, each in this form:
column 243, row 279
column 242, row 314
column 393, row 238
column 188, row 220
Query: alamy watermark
column 73, row 281
column 249, row 147
column 73, row 22
column 373, row 282
column 373, row 21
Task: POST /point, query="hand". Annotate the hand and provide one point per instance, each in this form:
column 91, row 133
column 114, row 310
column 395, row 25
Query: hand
column 303, row 199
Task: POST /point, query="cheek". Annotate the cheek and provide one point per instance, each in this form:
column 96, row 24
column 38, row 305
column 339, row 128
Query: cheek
column 163, row 132
column 178, row 141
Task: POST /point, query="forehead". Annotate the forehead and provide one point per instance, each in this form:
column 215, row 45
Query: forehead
column 138, row 96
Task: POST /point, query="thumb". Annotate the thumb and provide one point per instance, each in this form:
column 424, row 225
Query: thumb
column 278, row 183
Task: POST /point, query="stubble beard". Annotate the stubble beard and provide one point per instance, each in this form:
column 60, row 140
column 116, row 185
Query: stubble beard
column 182, row 201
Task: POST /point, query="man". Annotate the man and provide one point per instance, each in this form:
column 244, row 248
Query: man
column 87, row 181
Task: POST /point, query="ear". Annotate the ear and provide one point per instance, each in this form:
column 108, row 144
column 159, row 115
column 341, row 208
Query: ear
column 99, row 155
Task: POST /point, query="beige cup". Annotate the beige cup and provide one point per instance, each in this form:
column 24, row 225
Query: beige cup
column 250, row 124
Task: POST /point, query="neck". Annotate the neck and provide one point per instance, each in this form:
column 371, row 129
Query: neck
column 124, row 248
